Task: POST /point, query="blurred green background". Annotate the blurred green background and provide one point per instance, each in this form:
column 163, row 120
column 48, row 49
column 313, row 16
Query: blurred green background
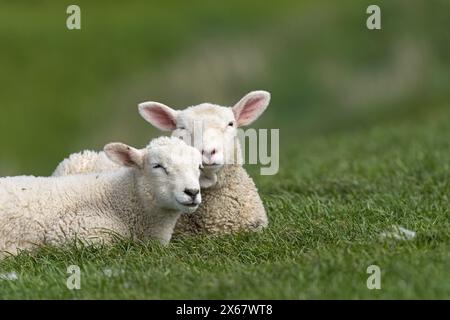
column 364, row 119
column 63, row 91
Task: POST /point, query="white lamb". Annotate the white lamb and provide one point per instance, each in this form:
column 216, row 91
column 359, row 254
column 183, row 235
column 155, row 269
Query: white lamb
column 231, row 201
column 141, row 200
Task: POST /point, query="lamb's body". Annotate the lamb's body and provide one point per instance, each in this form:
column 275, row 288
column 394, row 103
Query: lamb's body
column 138, row 200
column 91, row 208
column 232, row 205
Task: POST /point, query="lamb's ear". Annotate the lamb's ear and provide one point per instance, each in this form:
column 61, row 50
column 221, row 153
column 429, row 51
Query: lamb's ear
column 159, row 115
column 251, row 107
column 124, row 155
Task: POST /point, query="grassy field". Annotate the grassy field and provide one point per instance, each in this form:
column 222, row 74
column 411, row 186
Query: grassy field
column 364, row 128
column 334, row 197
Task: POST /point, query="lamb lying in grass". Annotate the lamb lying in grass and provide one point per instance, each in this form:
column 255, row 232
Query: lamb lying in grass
column 141, row 200
column 231, row 201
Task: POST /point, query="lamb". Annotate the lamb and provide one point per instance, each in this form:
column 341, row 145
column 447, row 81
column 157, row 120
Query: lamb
column 231, row 202
column 142, row 200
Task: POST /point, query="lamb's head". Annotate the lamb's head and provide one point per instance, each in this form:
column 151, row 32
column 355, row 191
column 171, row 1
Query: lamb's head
column 168, row 169
column 211, row 128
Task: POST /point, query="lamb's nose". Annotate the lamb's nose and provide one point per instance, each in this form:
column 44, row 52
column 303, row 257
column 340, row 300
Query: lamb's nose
column 192, row 192
column 209, row 153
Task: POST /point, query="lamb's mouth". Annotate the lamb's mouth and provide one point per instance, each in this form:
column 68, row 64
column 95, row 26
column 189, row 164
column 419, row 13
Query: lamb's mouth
column 189, row 204
column 212, row 166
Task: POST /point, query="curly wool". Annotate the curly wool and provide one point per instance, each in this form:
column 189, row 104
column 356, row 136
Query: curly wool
column 84, row 162
column 232, row 205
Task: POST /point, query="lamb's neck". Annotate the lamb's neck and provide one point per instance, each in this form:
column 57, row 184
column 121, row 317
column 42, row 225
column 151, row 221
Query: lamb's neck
column 131, row 199
column 155, row 222
column 159, row 224
column 120, row 197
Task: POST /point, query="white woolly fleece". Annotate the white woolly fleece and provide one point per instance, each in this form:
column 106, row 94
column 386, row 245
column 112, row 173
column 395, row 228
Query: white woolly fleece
column 129, row 202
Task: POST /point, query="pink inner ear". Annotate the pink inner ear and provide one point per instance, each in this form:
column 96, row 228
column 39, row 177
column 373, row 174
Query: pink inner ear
column 126, row 158
column 161, row 118
column 251, row 110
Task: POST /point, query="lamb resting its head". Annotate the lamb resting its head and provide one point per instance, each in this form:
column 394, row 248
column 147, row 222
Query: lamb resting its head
column 211, row 128
column 231, row 200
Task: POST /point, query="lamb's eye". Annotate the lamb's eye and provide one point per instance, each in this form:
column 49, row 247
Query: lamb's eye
column 231, row 124
column 181, row 128
column 158, row 166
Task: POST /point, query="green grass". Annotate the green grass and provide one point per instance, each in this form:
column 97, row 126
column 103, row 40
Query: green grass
column 364, row 128
column 329, row 204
